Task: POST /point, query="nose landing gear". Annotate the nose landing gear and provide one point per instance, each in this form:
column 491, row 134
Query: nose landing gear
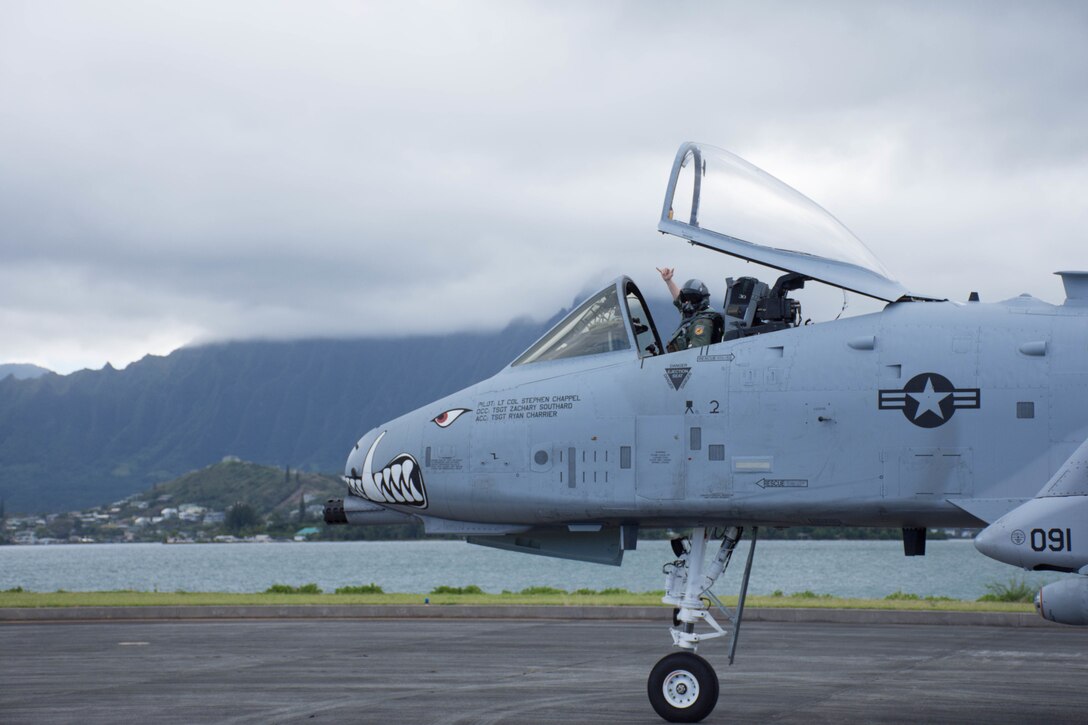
column 683, row 687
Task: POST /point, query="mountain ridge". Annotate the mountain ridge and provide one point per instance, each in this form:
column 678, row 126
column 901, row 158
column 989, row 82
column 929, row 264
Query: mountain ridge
column 96, row 436
column 22, row 371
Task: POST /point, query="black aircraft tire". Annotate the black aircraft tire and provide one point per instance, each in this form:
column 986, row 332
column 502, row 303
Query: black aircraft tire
column 683, row 687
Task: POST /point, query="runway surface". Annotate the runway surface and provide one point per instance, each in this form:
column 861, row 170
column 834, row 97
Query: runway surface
column 519, row 671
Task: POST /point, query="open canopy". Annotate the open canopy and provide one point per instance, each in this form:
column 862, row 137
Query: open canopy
column 718, row 200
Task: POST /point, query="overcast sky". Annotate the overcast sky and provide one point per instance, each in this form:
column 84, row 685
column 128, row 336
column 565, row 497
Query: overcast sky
column 184, row 171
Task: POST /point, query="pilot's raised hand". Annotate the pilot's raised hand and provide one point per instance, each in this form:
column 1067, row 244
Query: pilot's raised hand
column 666, row 274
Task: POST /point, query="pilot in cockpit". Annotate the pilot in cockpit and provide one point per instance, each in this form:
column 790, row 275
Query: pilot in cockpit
column 700, row 324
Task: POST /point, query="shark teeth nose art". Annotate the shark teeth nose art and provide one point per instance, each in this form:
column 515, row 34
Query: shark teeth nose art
column 398, row 482
column 401, row 482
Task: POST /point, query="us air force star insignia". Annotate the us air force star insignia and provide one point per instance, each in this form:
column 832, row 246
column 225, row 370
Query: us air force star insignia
column 929, row 400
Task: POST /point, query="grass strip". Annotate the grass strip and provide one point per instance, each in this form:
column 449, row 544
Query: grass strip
column 626, row 599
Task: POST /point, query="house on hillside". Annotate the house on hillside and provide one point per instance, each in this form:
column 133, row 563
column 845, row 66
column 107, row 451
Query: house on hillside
column 306, row 533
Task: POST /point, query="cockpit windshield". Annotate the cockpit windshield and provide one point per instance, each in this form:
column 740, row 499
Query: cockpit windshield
column 721, row 201
column 595, row 327
column 603, row 323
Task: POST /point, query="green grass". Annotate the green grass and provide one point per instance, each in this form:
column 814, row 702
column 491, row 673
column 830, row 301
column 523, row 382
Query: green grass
column 580, row 598
column 905, row 597
column 471, row 589
column 288, row 589
column 1014, row 590
column 370, row 588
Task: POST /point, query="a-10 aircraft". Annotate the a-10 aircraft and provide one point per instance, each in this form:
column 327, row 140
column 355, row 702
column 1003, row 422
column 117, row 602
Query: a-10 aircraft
column 928, row 413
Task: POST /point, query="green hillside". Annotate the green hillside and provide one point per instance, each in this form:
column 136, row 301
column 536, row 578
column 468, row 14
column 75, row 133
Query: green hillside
column 267, row 490
column 225, row 501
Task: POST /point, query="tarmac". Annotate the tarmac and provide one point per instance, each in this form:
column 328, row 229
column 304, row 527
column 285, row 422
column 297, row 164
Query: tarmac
column 460, row 670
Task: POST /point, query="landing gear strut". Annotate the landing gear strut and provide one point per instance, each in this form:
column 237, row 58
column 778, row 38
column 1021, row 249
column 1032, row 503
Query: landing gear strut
column 683, row 687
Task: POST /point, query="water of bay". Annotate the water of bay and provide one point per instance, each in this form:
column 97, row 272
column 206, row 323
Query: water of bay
column 870, row 569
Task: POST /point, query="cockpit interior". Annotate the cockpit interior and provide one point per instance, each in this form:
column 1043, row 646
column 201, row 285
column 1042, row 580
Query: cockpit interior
column 617, row 319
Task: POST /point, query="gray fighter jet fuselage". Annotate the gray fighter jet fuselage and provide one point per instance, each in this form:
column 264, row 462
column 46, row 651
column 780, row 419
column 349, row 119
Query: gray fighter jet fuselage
column 927, row 413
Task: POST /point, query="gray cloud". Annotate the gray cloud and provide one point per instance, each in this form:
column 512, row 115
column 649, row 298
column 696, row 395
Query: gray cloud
column 180, row 171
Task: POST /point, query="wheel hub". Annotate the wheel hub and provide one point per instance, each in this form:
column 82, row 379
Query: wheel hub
column 680, row 688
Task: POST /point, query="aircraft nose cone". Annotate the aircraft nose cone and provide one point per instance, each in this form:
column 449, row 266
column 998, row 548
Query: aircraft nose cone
column 985, row 541
column 380, row 470
column 354, row 467
column 998, row 542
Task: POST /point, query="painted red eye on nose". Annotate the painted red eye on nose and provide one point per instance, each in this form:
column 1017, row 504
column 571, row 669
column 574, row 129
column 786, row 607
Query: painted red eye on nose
column 445, row 420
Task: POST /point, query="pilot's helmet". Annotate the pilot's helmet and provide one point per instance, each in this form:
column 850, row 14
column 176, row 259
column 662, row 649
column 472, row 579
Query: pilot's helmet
column 695, row 294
